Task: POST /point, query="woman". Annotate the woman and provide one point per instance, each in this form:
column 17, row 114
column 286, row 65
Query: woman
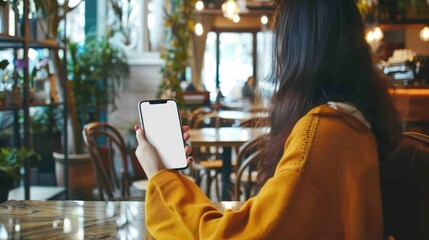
column 248, row 89
column 331, row 121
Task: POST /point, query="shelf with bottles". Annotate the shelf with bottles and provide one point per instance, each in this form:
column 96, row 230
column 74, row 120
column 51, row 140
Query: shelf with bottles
column 28, row 36
column 391, row 12
column 42, row 86
column 403, row 12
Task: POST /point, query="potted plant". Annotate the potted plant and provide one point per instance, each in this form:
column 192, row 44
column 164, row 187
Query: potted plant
column 11, row 161
column 96, row 69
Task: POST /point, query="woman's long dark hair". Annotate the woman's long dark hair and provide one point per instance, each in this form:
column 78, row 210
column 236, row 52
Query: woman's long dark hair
column 320, row 54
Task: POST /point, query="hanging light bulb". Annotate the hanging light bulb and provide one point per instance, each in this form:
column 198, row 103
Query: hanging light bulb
column 424, row 34
column 264, row 19
column 199, row 5
column 370, row 36
column 230, row 9
column 375, row 35
column 199, row 29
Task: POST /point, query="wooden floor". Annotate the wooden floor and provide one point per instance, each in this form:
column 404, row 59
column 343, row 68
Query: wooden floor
column 37, row 193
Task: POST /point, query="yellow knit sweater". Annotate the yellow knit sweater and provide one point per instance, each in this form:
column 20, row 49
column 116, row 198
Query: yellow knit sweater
column 326, row 186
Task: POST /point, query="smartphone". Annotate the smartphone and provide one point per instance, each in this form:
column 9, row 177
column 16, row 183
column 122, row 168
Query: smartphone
column 160, row 120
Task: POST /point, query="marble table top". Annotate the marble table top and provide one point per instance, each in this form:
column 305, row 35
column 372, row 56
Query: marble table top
column 32, row 219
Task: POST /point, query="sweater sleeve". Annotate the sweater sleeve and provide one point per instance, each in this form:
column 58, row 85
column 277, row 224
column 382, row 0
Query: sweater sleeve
column 177, row 209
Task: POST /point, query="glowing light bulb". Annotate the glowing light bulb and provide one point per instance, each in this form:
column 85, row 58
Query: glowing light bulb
column 230, row 9
column 424, row 34
column 264, row 19
column 199, row 5
column 199, row 29
column 378, row 34
column 370, row 36
column 375, row 35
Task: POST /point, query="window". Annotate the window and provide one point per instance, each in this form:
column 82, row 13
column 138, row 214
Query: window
column 235, row 61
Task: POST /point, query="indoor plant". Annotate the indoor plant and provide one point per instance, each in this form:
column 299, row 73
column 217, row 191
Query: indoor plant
column 176, row 56
column 11, row 161
column 96, row 70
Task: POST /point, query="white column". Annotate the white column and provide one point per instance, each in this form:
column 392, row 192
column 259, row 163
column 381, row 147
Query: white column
column 101, row 17
column 143, row 20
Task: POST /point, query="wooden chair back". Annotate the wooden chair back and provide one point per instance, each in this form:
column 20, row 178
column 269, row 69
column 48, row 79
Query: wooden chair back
column 106, row 146
column 194, row 114
column 248, row 157
column 405, row 188
column 212, row 120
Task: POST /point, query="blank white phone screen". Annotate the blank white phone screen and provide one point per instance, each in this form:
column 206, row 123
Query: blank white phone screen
column 161, row 123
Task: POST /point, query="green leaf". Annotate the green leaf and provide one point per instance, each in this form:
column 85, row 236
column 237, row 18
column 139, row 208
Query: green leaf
column 4, row 63
column 12, row 159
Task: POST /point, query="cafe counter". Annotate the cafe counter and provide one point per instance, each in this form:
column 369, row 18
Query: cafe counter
column 412, row 103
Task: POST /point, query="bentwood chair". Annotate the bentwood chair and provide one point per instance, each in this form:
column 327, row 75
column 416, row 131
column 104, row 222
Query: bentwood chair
column 211, row 120
column 110, row 161
column 405, row 188
column 255, row 122
column 208, row 159
column 244, row 177
column 194, row 114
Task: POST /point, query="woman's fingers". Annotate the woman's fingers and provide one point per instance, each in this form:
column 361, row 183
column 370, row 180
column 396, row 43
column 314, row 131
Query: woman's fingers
column 190, row 160
column 186, row 134
column 188, row 150
column 140, row 135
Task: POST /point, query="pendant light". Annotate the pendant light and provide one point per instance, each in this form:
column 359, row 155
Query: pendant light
column 230, row 9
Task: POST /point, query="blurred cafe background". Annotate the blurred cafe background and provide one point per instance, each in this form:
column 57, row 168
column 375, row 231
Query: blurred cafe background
column 73, row 71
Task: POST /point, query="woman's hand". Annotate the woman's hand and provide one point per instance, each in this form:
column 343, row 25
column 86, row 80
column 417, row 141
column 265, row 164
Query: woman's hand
column 188, row 149
column 149, row 157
